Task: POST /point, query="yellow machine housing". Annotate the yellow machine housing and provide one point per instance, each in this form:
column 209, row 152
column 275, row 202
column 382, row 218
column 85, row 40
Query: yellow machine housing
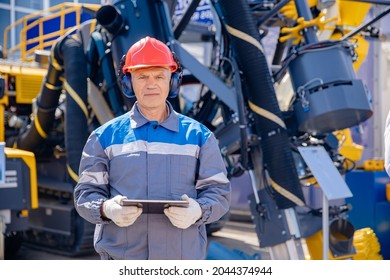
column 18, row 195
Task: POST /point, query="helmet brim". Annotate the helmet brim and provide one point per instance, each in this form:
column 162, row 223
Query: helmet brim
column 125, row 69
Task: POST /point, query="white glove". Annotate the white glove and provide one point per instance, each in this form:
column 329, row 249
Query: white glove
column 122, row 216
column 183, row 217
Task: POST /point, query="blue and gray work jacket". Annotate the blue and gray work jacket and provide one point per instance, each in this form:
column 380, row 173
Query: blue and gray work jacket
column 142, row 159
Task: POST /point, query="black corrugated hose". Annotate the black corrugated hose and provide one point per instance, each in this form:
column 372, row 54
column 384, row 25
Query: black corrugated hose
column 47, row 102
column 76, row 125
column 269, row 125
column 68, row 59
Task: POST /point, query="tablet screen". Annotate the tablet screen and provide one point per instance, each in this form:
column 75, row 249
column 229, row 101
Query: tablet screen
column 154, row 206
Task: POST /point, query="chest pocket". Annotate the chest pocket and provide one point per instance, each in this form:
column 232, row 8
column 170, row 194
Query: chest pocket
column 128, row 174
column 183, row 175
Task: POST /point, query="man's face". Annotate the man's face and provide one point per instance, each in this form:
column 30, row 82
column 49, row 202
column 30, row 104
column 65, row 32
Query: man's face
column 151, row 86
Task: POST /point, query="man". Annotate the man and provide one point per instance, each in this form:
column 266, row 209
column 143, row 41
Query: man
column 151, row 153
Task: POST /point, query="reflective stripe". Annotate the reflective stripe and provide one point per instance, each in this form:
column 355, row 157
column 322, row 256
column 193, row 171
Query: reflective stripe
column 156, row 148
column 173, row 149
column 95, row 178
column 219, row 178
column 122, row 149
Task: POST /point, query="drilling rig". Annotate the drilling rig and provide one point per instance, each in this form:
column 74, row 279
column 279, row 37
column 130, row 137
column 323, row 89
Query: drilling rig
column 266, row 107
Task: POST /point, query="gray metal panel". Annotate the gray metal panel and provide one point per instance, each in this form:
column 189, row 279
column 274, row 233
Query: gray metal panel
column 271, row 222
column 15, row 193
column 328, row 177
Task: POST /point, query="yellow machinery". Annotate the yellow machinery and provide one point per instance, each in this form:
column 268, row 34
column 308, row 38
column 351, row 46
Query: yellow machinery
column 18, row 195
column 22, row 74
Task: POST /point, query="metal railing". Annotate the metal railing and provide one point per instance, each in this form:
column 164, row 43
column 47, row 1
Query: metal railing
column 41, row 41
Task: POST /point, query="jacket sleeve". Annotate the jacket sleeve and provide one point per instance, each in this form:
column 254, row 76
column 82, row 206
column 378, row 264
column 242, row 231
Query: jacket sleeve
column 212, row 185
column 387, row 144
column 92, row 188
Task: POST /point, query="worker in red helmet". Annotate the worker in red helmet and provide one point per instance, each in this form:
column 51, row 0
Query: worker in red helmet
column 151, row 153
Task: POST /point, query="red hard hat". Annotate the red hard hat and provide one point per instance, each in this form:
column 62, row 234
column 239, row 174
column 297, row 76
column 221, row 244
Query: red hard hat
column 149, row 52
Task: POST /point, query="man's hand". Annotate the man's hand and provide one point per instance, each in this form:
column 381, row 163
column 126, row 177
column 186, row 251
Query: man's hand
column 122, row 216
column 183, row 217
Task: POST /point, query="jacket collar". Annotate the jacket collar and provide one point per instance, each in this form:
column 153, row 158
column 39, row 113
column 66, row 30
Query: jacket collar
column 138, row 120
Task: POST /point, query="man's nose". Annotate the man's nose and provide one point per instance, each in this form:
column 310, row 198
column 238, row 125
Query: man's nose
column 151, row 82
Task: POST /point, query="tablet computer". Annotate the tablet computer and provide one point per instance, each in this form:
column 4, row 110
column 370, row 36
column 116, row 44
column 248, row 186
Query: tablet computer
column 154, row 206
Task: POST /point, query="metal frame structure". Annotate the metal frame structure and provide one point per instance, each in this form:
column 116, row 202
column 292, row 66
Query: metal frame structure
column 238, row 103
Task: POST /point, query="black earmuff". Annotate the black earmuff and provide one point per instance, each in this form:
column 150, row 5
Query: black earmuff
column 127, row 88
column 175, row 78
column 125, row 79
